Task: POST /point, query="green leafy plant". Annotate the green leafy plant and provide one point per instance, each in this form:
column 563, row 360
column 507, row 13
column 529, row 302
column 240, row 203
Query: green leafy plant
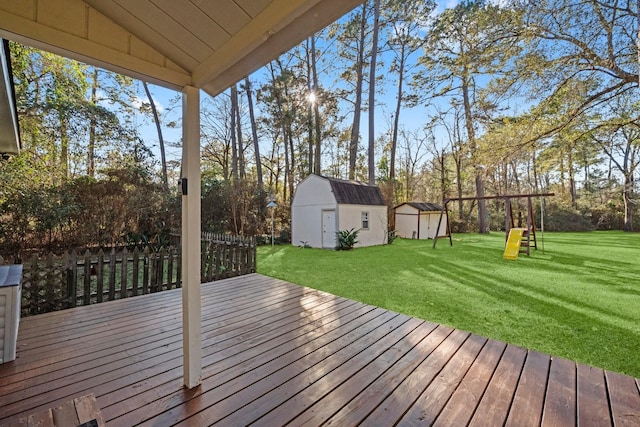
column 346, row 239
column 391, row 236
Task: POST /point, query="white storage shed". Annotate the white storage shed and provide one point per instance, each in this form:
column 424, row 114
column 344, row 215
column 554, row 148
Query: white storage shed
column 323, row 206
column 419, row 220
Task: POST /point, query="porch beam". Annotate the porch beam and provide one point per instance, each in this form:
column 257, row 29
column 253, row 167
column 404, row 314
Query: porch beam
column 190, row 185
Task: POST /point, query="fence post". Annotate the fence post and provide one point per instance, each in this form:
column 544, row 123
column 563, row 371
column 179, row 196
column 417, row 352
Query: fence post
column 179, row 267
column 86, row 269
column 170, row 253
column 211, row 264
column 161, row 269
column 112, row 274
column 145, row 271
column 219, row 258
column 99, row 273
column 153, row 271
column 124, row 263
column 34, row 294
column 136, row 271
column 234, row 259
column 203, row 260
column 50, row 300
column 254, row 255
column 72, row 291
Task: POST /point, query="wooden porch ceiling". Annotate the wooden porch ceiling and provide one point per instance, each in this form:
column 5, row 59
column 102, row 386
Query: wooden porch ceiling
column 275, row 353
column 174, row 43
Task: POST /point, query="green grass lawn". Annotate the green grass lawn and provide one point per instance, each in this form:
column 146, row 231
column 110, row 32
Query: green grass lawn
column 579, row 300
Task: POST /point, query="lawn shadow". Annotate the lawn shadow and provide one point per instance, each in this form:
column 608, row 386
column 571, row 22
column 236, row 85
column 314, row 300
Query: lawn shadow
column 608, row 343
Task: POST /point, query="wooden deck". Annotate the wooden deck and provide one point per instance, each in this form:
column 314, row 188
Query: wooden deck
column 276, row 353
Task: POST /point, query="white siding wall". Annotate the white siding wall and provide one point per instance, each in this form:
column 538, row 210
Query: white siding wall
column 433, row 218
column 312, row 196
column 425, row 231
column 429, row 224
column 350, row 216
column 406, row 221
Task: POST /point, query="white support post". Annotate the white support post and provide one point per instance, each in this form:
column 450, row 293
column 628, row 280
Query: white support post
column 191, row 308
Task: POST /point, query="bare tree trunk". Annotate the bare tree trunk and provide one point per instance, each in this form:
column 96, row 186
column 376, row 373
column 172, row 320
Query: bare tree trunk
column 286, row 129
column 561, row 167
column 254, row 132
column 483, row 224
column 91, row 149
column 317, row 167
column 287, row 165
column 628, row 210
column 456, row 150
column 241, row 165
column 396, row 116
column 291, row 169
column 310, row 138
column 587, row 173
column 628, row 170
column 572, row 180
column 372, row 92
column 355, row 128
column 439, row 162
column 516, row 176
column 534, row 165
column 234, row 146
column 64, row 145
column 156, row 120
column 289, row 138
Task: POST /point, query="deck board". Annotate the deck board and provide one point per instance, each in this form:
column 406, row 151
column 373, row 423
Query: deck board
column 496, row 401
column 397, row 403
column 276, row 353
column 593, row 408
column 560, row 402
column 529, row 398
column 625, row 402
column 466, row 398
column 351, row 391
column 436, row 395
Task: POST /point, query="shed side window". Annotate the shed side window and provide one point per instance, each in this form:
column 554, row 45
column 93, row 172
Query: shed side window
column 365, row 220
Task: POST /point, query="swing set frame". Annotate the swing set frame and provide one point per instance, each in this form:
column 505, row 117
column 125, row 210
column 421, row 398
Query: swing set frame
column 509, row 220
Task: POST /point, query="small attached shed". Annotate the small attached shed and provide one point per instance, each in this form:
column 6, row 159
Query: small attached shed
column 323, row 206
column 419, row 220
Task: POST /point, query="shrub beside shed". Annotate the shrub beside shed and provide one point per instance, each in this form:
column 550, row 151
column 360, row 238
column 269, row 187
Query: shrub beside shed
column 419, row 220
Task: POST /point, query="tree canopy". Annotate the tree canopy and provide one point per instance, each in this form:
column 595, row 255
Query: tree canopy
column 485, row 97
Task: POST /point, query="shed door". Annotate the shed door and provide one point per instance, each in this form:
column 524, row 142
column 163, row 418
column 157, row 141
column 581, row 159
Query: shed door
column 329, row 229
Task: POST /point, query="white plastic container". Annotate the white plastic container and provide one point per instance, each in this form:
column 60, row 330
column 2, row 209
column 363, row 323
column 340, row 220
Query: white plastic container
column 10, row 290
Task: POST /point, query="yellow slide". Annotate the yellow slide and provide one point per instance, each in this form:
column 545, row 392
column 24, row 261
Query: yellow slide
column 512, row 249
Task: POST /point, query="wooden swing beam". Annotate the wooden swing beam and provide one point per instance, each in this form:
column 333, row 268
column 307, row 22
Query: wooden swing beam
column 509, row 214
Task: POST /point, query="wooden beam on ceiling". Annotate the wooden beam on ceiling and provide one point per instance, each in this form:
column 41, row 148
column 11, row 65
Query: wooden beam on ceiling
column 104, row 44
column 120, row 36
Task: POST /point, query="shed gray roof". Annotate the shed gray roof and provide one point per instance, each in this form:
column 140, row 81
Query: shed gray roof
column 423, row 206
column 355, row 193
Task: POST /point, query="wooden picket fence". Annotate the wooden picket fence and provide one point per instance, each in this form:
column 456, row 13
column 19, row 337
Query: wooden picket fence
column 57, row 282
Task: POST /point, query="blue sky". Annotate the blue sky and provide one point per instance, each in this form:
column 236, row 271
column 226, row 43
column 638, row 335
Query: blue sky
column 411, row 119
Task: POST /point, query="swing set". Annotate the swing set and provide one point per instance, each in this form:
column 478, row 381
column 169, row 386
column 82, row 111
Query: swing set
column 528, row 236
